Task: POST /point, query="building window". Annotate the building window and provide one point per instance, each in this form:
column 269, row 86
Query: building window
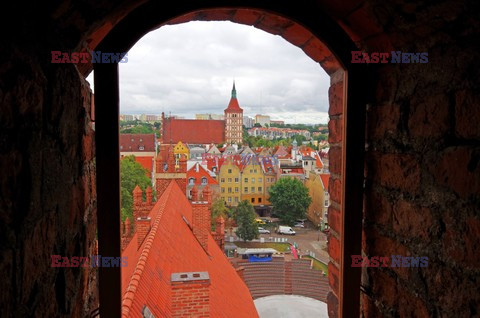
column 229, row 170
column 229, row 179
column 253, row 189
column 191, row 181
column 259, row 189
column 236, row 180
column 236, row 189
column 141, row 147
column 222, row 180
column 259, row 200
column 253, row 200
column 253, row 180
column 229, row 190
column 223, row 190
column 245, row 190
column 246, row 180
column 236, row 199
column 326, row 203
column 204, row 181
column 251, row 171
column 259, row 179
column 255, row 171
column 229, row 199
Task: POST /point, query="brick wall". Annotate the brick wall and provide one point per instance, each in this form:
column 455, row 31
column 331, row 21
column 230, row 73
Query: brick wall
column 47, row 186
column 190, row 296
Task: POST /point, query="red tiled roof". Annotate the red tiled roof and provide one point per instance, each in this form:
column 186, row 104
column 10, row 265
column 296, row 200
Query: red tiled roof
column 146, row 162
column 233, row 106
column 198, row 175
column 171, row 247
column 193, row 131
column 325, row 178
column 135, row 142
column 318, row 161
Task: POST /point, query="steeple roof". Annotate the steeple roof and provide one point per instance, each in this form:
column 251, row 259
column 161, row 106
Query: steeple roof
column 233, row 106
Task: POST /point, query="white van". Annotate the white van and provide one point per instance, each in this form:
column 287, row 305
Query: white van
column 285, row 230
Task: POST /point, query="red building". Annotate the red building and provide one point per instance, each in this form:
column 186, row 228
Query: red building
column 192, row 131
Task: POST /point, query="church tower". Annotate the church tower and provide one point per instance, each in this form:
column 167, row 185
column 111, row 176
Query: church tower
column 233, row 120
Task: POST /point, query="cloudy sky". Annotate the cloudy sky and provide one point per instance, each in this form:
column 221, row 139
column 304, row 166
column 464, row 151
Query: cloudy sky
column 189, row 68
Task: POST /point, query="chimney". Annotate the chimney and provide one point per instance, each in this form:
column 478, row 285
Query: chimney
column 137, row 201
column 207, row 195
column 149, row 195
column 143, row 227
column 201, row 220
column 219, row 234
column 194, row 193
column 128, row 227
column 190, row 294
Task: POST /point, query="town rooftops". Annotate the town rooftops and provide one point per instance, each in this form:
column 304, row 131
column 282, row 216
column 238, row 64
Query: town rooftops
column 137, row 142
column 171, row 247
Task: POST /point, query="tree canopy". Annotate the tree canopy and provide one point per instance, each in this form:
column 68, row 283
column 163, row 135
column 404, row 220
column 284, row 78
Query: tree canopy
column 245, row 218
column 290, row 199
column 131, row 174
column 219, row 209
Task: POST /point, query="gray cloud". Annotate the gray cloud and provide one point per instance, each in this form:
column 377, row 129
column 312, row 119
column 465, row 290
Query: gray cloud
column 189, row 68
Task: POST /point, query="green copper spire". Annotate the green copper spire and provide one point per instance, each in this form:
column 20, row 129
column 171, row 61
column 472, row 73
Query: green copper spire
column 234, row 91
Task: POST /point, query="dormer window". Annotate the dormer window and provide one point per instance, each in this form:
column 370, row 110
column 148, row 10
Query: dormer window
column 191, row 181
column 204, row 181
column 141, row 148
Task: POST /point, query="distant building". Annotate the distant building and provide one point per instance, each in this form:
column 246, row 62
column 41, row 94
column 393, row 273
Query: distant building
column 209, row 116
column 263, row 120
column 277, row 122
column 207, row 131
column 233, row 120
column 274, row 132
column 248, row 122
column 143, row 147
column 124, row 117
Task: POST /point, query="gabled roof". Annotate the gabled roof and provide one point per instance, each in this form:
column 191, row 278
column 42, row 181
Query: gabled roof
column 171, row 247
column 198, row 172
column 193, row 131
column 325, row 178
column 318, row 161
column 137, row 142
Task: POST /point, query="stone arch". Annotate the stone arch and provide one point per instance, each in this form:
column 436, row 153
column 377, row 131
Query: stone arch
column 323, row 40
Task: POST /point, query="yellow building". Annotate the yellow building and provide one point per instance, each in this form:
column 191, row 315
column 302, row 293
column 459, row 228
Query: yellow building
column 179, row 150
column 253, row 187
column 229, row 181
column 317, row 185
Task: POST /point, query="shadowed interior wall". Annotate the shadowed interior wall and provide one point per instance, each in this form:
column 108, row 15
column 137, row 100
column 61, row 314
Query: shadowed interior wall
column 422, row 173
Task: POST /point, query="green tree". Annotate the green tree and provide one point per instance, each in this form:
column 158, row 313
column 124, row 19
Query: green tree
column 290, row 199
column 245, row 218
column 131, row 174
column 219, row 209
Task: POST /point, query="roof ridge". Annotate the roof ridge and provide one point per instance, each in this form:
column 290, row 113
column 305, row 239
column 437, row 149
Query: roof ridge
column 129, row 295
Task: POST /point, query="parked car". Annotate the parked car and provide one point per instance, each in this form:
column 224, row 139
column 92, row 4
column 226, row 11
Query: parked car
column 299, row 225
column 261, row 230
column 260, row 221
column 285, row 230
